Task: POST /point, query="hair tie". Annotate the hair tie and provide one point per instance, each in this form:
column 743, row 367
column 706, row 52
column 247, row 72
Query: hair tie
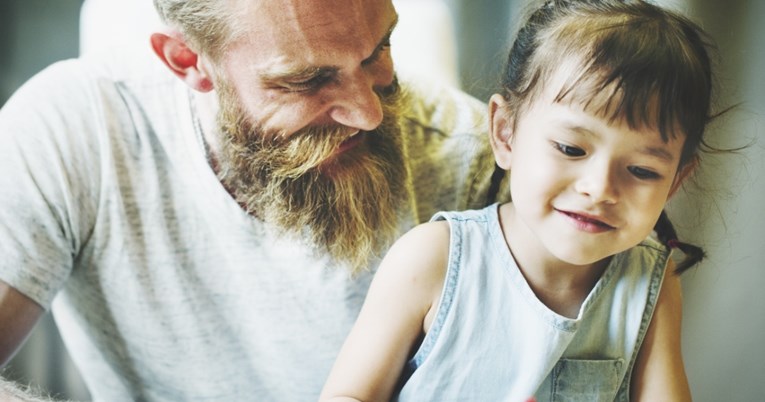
column 674, row 243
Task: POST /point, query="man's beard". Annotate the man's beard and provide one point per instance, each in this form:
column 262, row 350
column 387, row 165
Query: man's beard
column 346, row 204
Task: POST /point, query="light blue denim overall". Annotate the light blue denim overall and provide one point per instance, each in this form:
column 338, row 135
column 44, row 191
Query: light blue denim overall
column 493, row 340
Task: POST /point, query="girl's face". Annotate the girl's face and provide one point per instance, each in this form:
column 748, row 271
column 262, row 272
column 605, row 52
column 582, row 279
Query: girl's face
column 583, row 188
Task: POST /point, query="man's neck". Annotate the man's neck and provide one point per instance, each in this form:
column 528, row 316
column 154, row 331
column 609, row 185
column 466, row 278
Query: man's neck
column 206, row 107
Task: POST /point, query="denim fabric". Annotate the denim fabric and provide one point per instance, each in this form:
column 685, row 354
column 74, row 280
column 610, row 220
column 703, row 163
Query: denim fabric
column 493, row 340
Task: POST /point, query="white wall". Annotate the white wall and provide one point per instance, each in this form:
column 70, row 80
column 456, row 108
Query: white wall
column 724, row 322
column 33, row 34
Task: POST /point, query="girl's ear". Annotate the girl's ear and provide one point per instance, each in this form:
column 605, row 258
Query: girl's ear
column 500, row 131
column 171, row 48
column 682, row 174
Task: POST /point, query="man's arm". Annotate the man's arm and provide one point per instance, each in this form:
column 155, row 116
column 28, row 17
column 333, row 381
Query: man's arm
column 18, row 315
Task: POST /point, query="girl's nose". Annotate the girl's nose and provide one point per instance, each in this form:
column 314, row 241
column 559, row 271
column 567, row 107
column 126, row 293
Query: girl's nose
column 598, row 182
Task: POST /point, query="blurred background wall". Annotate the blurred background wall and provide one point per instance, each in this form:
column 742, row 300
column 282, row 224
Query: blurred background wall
column 724, row 318
column 33, row 34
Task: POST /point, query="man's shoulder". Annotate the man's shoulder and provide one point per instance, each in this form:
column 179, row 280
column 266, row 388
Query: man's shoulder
column 442, row 108
column 126, row 63
column 78, row 103
column 88, row 79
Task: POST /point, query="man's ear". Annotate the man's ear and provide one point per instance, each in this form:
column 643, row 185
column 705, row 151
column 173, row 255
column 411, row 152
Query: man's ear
column 181, row 60
column 682, row 174
column 500, row 131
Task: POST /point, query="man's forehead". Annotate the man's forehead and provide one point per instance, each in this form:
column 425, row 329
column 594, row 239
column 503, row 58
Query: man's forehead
column 312, row 19
column 282, row 33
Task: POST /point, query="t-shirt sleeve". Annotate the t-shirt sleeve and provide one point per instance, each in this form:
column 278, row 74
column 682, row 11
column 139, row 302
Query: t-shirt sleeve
column 48, row 179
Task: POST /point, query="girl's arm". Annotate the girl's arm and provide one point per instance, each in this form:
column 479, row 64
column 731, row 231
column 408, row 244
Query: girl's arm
column 659, row 373
column 397, row 312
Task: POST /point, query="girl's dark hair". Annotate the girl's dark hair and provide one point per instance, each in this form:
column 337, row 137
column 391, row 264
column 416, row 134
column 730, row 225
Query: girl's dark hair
column 632, row 61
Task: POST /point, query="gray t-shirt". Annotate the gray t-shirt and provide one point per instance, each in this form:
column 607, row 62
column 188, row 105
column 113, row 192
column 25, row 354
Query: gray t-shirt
column 162, row 287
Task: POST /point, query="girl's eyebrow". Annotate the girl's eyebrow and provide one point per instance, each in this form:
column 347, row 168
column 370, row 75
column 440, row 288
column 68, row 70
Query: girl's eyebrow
column 658, row 152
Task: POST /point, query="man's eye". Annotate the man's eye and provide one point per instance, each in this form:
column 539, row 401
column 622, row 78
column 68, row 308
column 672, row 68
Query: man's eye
column 385, row 45
column 568, row 150
column 643, row 173
column 307, row 85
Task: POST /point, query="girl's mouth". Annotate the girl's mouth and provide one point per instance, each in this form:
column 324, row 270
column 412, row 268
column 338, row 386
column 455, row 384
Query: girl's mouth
column 587, row 223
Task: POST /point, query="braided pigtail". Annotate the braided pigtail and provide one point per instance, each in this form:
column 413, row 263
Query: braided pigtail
column 667, row 235
column 496, row 181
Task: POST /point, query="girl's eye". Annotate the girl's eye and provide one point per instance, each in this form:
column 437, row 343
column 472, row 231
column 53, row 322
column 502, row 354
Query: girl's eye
column 568, row 150
column 643, row 173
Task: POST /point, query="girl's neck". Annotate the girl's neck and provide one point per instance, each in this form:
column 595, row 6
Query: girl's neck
column 564, row 294
column 561, row 286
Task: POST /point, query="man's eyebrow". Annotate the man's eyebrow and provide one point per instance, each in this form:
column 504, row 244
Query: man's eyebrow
column 392, row 27
column 283, row 74
column 384, row 41
column 296, row 73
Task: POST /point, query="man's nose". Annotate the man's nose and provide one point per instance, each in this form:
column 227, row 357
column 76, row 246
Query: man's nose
column 358, row 105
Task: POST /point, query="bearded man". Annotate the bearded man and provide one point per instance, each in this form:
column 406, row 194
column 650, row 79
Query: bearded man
column 213, row 237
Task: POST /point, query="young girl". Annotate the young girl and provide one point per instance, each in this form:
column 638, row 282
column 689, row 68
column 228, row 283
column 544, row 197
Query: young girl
column 564, row 293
